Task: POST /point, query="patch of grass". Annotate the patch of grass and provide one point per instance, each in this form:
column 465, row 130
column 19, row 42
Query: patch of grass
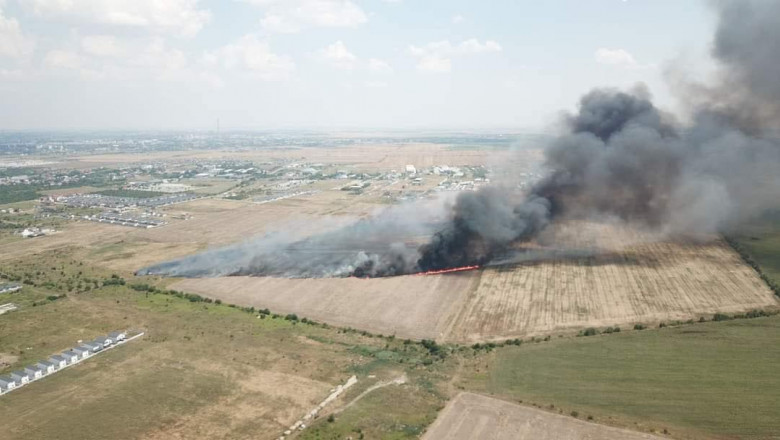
column 759, row 241
column 413, row 409
column 720, row 380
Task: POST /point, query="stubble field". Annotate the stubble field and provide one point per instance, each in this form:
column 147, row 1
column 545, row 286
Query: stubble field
column 631, row 278
column 473, row 416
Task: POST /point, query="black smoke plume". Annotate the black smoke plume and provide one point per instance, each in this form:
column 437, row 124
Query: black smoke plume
column 619, row 158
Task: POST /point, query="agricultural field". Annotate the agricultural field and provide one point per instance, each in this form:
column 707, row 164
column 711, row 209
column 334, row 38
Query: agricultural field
column 645, row 281
column 408, row 307
column 202, row 370
column 357, row 157
column 473, row 416
column 632, row 278
column 760, row 238
column 697, row 381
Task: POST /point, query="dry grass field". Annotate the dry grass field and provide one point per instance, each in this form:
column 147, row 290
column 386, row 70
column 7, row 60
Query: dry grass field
column 643, row 283
column 634, row 279
column 367, row 156
column 473, row 416
column 408, row 307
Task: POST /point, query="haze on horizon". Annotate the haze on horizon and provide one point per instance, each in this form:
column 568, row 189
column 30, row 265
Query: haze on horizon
column 270, row 64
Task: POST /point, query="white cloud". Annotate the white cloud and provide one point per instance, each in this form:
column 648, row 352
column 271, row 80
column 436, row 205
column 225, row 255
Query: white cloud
column 379, row 66
column 101, row 46
column 63, row 59
column 107, row 58
column 474, row 46
column 619, row 58
column 435, row 63
column 457, row 19
column 290, row 16
column 182, row 17
column 13, row 43
column 437, row 56
column 254, row 56
column 339, row 56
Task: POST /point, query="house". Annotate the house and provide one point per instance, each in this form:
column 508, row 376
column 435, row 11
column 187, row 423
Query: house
column 34, row 372
column 83, row 351
column 118, row 336
column 48, row 367
column 106, row 342
column 94, row 346
column 20, row 377
column 71, row 356
column 7, row 384
column 58, row 361
column 10, row 287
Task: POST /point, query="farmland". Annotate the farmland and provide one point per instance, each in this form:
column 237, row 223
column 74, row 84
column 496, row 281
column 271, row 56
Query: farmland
column 230, row 370
column 636, row 278
column 706, row 380
column 471, row 416
column 650, row 281
column 760, row 238
column 408, row 307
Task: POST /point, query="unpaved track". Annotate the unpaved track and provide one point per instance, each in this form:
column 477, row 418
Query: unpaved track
column 472, row 416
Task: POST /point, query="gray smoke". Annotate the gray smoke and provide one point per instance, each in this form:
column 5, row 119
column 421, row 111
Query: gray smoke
column 620, row 157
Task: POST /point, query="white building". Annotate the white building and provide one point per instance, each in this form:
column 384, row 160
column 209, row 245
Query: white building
column 410, row 169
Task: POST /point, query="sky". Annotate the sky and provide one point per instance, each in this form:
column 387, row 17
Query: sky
column 333, row 64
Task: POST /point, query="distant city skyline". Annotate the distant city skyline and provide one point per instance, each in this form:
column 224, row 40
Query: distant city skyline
column 333, row 64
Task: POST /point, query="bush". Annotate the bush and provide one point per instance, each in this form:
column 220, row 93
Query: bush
column 639, row 327
column 575, row 414
column 720, row 317
column 291, row 317
column 331, row 419
column 590, row 331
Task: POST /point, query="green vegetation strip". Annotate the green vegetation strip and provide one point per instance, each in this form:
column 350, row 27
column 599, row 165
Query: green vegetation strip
column 130, row 193
column 716, row 378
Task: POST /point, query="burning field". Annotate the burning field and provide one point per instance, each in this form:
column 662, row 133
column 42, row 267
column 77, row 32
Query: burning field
column 619, row 161
column 619, row 157
column 634, row 278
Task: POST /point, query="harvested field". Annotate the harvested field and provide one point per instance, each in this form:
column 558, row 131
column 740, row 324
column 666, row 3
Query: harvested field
column 645, row 282
column 632, row 279
column 472, row 416
column 408, row 306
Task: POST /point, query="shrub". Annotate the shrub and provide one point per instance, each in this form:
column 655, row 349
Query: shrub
column 575, row 414
column 291, row 317
column 661, row 324
column 331, row 419
column 590, row 331
column 720, row 317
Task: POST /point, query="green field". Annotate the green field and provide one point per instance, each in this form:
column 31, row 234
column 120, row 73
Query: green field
column 702, row 380
column 761, row 239
column 133, row 194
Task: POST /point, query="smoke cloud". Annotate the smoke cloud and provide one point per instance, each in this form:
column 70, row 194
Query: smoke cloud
column 620, row 158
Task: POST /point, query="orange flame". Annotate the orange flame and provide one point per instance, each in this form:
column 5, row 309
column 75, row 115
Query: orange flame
column 453, row 269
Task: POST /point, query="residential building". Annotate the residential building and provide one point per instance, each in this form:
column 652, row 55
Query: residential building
column 48, row 367
column 20, row 377
column 59, row 360
column 34, row 372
